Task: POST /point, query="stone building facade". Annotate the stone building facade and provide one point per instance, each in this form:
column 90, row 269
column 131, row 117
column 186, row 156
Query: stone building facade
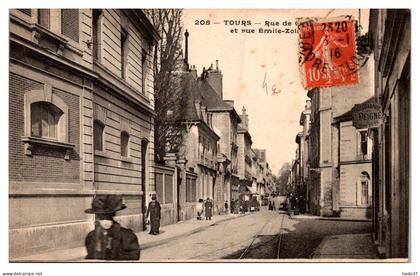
column 225, row 124
column 81, row 121
column 245, row 158
column 324, row 140
column 390, row 33
column 355, row 168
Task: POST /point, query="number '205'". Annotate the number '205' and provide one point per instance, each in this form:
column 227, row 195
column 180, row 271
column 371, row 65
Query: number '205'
column 202, row 22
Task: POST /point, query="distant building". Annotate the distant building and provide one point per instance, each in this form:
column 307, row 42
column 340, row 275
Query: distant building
column 225, row 124
column 303, row 144
column 200, row 139
column 265, row 172
column 81, row 121
column 390, row 37
column 245, row 157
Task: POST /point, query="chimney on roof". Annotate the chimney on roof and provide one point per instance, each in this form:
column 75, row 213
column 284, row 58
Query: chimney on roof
column 215, row 79
column 244, row 118
column 186, row 34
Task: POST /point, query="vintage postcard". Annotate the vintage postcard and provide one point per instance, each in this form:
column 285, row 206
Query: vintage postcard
column 209, row 135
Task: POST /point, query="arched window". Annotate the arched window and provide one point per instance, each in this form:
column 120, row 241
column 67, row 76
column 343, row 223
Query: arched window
column 125, row 137
column 98, row 135
column 44, row 120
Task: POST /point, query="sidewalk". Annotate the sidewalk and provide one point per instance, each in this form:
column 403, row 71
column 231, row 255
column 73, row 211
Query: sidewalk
column 307, row 216
column 350, row 246
column 167, row 233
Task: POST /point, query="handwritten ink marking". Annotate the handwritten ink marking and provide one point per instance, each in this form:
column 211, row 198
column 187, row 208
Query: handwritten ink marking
column 274, row 90
column 265, row 83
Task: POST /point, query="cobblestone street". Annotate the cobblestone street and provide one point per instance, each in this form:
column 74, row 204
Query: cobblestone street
column 229, row 239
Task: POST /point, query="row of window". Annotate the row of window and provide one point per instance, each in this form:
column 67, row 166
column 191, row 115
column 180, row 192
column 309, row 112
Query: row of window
column 98, row 139
column 45, row 117
column 69, row 21
column 97, row 16
column 69, row 24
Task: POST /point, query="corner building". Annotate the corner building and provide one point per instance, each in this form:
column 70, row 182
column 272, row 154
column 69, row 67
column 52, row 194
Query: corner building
column 81, row 121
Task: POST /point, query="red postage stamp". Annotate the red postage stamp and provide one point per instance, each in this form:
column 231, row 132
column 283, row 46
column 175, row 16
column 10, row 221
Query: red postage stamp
column 327, row 52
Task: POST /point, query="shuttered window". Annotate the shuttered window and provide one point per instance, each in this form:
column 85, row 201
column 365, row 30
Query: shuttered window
column 70, row 23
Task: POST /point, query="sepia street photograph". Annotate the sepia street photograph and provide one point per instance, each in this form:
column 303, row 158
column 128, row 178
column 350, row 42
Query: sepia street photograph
column 180, row 135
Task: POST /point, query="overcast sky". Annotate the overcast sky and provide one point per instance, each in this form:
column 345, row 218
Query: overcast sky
column 252, row 64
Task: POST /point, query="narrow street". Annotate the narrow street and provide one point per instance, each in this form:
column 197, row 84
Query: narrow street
column 255, row 236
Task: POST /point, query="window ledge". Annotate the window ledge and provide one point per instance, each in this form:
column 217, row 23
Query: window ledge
column 101, row 153
column 39, row 32
column 30, row 142
column 126, row 159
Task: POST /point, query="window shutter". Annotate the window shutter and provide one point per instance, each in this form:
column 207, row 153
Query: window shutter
column 70, row 23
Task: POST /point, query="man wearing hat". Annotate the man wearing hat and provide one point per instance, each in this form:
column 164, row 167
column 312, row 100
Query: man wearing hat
column 208, row 207
column 154, row 210
column 109, row 240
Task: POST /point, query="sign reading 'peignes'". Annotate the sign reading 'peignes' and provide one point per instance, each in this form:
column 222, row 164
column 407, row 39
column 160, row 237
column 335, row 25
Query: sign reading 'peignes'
column 327, row 52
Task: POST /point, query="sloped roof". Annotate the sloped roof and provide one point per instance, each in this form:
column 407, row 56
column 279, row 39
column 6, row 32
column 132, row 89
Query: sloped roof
column 199, row 90
column 211, row 98
column 189, row 86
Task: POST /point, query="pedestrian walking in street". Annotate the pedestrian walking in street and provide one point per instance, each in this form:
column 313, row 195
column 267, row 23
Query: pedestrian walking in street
column 154, row 210
column 232, row 206
column 109, row 240
column 226, row 207
column 289, row 206
column 199, row 209
column 208, row 209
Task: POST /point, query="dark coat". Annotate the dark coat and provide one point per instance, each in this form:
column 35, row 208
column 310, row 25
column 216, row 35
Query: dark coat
column 154, row 210
column 208, row 208
column 118, row 243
